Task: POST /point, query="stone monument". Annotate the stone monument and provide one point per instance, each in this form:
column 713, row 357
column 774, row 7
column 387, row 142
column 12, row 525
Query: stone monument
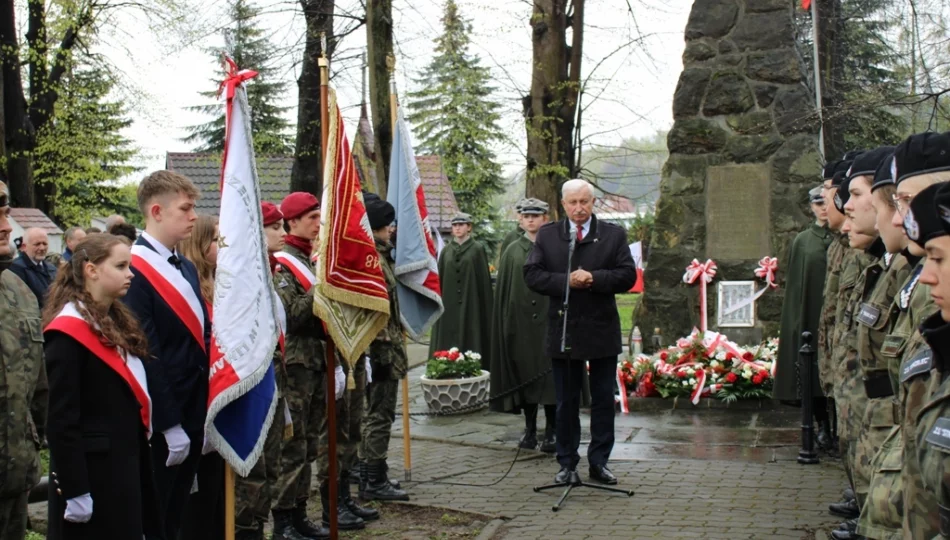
column 743, row 155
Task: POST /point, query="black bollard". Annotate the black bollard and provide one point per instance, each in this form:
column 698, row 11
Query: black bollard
column 806, row 356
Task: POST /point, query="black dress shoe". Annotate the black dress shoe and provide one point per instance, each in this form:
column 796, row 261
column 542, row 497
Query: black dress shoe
column 846, row 509
column 846, row 535
column 602, row 474
column 562, row 476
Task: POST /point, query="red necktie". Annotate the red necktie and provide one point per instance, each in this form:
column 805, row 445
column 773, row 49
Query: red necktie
column 580, row 234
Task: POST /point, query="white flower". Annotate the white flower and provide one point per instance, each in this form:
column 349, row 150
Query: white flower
column 454, row 349
column 746, row 374
column 685, row 383
column 692, row 382
column 715, row 376
column 691, row 371
column 767, row 366
column 714, row 363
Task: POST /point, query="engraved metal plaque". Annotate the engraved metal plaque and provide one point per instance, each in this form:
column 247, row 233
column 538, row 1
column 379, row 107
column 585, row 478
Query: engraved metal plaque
column 737, row 212
column 736, row 307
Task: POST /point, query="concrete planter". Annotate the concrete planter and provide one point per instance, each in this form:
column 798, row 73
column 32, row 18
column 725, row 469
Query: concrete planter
column 447, row 394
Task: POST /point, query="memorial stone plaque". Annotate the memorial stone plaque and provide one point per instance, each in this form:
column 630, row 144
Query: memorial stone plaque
column 737, row 212
column 736, row 307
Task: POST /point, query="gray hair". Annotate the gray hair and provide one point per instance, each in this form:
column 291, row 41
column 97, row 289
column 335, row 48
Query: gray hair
column 113, row 219
column 576, row 185
column 71, row 231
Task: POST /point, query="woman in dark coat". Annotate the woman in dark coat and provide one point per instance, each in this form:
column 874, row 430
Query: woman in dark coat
column 100, row 412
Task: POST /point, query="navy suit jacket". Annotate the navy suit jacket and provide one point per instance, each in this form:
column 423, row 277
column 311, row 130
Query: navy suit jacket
column 38, row 276
column 177, row 371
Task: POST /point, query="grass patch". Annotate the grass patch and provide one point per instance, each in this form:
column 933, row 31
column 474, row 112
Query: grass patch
column 32, row 535
column 44, row 461
column 626, row 303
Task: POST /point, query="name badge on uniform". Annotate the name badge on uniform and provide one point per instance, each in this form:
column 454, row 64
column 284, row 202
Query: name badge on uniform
column 903, row 299
column 893, row 343
column 868, row 315
column 939, row 434
column 920, row 363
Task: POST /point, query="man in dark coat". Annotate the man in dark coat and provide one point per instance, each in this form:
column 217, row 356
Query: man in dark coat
column 518, row 327
column 31, row 265
column 466, row 294
column 600, row 268
column 801, row 309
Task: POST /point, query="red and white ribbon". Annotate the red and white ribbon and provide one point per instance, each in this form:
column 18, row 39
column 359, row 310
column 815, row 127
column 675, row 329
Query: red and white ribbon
column 768, row 266
column 624, row 405
column 704, row 274
column 700, row 383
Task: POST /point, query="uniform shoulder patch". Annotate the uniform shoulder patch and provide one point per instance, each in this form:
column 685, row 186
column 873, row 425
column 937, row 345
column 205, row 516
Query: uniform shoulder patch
column 868, row 314
column 919, row 363
column 939, row 434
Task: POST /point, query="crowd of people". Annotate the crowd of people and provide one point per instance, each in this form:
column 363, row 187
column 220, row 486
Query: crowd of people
column 871, row 279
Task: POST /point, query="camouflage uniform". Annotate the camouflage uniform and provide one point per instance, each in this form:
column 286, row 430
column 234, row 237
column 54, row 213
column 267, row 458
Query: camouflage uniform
column 342, row 422
column 882, row 514
column 304, row 393
column 389, row 363
column 355, row 408
column 23, row 401
column 877, row 356
column 838, row 251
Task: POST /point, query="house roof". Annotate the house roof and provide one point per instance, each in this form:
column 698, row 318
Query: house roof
column 274, row 175
column 32, row 217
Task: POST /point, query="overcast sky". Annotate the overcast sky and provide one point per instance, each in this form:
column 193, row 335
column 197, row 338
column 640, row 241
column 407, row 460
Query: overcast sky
column 629, row 93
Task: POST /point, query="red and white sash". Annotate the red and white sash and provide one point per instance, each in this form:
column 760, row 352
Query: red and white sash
column 174, row 289
column 70, row 322
column 301, row 271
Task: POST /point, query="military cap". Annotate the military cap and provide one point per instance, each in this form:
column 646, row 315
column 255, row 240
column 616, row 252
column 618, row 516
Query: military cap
column 461, row 218
column 922, row 220
column 532, row 206
column 883, row 176
column 829, row 169
column 814, row 196
column 842, row 196
column 379, row 212
column 520, row 204
column 841, row 171
column 850, row 155
column 270, row 213
column 297, row 204
column 922, row 153
column 866, row 163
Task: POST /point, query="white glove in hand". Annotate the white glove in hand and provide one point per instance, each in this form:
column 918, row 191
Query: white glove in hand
column 340, row 379
column 79, row 509
column 178, row 445
column 369, row 371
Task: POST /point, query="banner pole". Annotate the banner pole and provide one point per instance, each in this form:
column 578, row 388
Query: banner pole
column 331, row 349
column 406, row 438
column 228, row 502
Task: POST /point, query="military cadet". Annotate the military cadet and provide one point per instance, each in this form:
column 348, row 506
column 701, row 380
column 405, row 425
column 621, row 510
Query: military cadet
column 388, row 365
column 518, row 327
column 466, row 295
column 23, row 387
column 304, row 355
column 255, row 494
column 513, row 235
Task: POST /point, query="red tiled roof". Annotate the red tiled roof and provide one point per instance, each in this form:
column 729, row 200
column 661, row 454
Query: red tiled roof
column 440, row 199
column 32, row 217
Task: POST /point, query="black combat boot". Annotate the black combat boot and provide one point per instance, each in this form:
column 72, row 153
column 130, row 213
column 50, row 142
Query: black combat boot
column 847, row 509
column 392, row 481
column 305, row 526
column 253, row 534
column 378, row 487
column 345, row 519
column 529, row 440
column 366, row 514
column 284, row 527
column 549, row 444
column 823, row 436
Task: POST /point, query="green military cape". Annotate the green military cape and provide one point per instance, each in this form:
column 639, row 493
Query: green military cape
column 801, row 308
column 509, row 238
column 517, row 335
column 467, row 297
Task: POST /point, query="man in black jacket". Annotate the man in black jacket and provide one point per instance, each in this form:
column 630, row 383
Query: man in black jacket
column 601, row 267
column 31, row 265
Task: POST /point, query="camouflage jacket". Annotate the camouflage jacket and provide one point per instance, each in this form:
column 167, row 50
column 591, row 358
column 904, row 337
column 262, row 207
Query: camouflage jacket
column 850, row 287
column 911, row 307
column 23, row 387
column 837, row 252
column 932, row 433
column 389, row 347
column 304, row 336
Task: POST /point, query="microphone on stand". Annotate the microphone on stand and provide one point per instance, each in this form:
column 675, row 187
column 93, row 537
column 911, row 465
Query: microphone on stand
column 572, row 242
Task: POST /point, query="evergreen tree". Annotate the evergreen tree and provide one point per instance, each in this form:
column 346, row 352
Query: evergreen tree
column 82, row 153
column 455, row 117
column 250, row 49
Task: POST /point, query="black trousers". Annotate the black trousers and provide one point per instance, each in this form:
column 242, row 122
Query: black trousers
column 173, row 485
column 568, row 384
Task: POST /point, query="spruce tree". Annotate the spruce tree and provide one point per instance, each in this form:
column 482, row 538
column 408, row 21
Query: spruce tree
column 250, row 49
column 455, row 116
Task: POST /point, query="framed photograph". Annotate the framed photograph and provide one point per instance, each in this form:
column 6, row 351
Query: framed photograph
column 736, row 304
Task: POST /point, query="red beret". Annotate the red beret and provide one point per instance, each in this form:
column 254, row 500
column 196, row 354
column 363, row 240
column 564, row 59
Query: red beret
column 297, row 204
column 271, row 213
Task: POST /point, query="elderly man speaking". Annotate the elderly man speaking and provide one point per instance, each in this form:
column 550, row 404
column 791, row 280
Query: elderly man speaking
column 601, row 267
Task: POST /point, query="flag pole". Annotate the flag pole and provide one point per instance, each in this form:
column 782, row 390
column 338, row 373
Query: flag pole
column 228, row 502
column 406, row 439
column 818, row 101
column 324, row 64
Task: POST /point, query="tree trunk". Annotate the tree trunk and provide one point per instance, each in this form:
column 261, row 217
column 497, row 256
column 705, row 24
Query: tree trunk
column 17, row 129
column 551, row 108
column 379, row 39
column 829, row 64
column 307, row 171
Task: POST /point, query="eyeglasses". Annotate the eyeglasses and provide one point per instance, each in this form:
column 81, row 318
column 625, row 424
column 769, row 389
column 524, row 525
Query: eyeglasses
column 902, row 202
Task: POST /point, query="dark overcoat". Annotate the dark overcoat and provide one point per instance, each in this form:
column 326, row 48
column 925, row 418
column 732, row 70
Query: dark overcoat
column 38, row 276
column 97, row 445
column 593, row 324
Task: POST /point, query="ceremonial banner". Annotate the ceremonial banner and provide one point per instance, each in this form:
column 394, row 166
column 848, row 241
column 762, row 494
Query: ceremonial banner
column 417, row 266
column 364, row 154
column 351, row 296
column 245, row 331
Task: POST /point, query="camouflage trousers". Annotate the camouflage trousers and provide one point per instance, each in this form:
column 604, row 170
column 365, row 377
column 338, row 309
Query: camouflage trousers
column 305, row 399
column 254, row 495
column 355, row 401
column 882, row 513
column 378, row 422
column 849, row 398
column 879, row 417
column 323, row 431
column 13, row 513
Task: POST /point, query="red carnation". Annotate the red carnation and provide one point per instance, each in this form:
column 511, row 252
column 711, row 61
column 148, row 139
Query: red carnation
column 731, row 377
column 453, row 356
column 747, row 356
column 730, row 356
column 682, row 374
column 757, row 379
column 664, row 356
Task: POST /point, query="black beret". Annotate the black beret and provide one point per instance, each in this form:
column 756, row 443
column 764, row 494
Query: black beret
column 849, row 156
column 866, row 163
column 841, row 170
column 922, row 222
column 942, row 204
column 379, row 212
column 842, row 196
column 829, row 170
column 922, row 153
column 883, row 176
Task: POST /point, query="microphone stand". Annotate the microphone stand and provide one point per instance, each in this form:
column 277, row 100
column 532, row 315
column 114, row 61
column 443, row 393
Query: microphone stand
column 574, row 479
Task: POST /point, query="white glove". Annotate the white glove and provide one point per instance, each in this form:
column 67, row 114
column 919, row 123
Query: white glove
column 340, row 379
column 79, row 509
column 178, row 445
column 369, row 371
